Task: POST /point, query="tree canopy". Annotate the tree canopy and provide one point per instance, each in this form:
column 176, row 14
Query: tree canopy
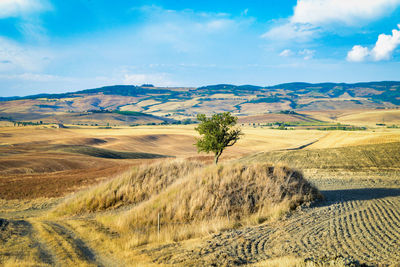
column 217, row 133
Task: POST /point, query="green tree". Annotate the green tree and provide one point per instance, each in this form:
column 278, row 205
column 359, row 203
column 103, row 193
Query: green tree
column 217, row 133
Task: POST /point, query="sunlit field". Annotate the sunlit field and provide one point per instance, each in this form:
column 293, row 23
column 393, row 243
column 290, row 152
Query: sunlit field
column 143, row 196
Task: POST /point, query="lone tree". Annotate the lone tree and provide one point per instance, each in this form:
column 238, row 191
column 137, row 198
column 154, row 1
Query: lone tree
column 217, row 133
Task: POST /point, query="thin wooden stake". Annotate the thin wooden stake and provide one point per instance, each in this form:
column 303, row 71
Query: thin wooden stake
column 158, row 225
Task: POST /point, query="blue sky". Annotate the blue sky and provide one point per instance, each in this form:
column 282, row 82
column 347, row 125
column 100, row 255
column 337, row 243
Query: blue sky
column 59, row 46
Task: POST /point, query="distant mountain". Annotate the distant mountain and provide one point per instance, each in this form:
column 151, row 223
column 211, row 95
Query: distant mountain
column 166, row 103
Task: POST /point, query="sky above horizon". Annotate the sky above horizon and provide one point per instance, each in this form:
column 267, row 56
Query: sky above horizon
column 53, row 46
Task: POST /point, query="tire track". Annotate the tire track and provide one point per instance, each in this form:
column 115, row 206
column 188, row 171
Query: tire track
column 20, row 245
column 67, row 248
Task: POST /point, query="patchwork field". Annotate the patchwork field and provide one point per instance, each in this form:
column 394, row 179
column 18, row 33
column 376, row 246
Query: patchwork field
column 91, row 197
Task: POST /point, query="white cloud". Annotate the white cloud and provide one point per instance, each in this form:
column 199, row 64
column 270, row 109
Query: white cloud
column 383, row 49
column 286, row 53
column 385, row 45
column 289, row 31
column 16, row 57
column 17, row 8
column 217, row 25
column 357, row 54
column 311, row 17
column 307, row 53
column 319, row 12
column 158, row 79
column 178, row 29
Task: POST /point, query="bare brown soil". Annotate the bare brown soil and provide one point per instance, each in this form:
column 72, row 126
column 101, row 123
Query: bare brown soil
column 59, row 183
column 32, row 164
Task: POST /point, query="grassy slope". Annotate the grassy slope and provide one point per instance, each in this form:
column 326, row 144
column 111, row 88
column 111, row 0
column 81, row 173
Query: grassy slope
column 130, row 188
column 363, row 157
column 191, row 199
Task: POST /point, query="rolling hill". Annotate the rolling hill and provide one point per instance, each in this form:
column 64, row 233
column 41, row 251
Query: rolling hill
column 129, row 104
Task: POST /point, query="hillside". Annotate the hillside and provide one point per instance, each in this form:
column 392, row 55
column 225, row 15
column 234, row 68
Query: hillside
column 372, row 157
column 128, row 104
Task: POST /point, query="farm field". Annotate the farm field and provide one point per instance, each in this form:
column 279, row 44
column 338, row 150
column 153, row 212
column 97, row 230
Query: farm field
column 200, row 133
column 46, row 173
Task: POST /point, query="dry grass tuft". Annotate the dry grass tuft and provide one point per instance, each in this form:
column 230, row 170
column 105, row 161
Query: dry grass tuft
column 212, row 198
column 231, row 191
column 192, row 199
column 130, row 188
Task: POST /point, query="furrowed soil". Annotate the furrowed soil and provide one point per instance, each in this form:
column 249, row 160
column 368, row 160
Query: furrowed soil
column 358, row 222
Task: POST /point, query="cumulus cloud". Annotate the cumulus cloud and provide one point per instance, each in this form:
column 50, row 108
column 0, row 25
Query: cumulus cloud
column 318, row 12
column 17, row 8
column 357, row 54
column 385, row 45
column 311, row 17
column 383, row 49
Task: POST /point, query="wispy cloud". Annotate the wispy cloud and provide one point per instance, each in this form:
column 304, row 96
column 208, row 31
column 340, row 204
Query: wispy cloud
column 291, row 31
column 311, row 17
column 20, row 8
column 180, row 29
column 383, row 49
column 286, row 53
column 307, row 54
column 21, row 58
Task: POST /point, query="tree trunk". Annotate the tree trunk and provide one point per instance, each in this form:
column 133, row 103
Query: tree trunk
column 216, row 157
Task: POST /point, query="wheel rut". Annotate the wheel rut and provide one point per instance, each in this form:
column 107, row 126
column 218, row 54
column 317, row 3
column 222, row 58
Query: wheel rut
column 20, row 246
column 66, row 246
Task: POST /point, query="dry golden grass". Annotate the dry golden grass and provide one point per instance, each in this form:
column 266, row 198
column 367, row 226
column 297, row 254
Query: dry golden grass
column 372, row 117
column 355, row 158
column 202, row 201
column 360, row 117
column 131, row 187
column 336, row 139
column 18, row 246
column 228, row 191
